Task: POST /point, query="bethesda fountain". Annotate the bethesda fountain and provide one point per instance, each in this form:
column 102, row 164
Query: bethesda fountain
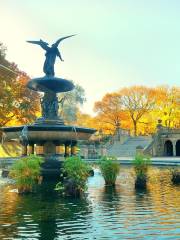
column 48, row 136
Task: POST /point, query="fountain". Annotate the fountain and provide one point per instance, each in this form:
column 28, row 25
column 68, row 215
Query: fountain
column 48, row 136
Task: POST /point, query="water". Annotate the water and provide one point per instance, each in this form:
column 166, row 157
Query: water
column 105, row 213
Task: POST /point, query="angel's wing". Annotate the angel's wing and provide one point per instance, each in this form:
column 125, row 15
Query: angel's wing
column 41, row 43
column 61, row 39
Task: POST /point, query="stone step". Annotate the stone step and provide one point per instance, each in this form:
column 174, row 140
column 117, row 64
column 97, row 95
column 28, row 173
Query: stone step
column 128, row 148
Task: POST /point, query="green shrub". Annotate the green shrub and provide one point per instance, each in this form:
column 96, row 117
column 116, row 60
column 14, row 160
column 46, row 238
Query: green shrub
column 175, row 175
column 141, row 164
column 109, row 169
column 76, row 171
column 26, row 172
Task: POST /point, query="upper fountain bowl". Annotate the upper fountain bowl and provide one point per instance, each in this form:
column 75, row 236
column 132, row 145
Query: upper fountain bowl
column 53, row 84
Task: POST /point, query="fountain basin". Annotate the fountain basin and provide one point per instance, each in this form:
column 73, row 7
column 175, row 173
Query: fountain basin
column 53, row 142
column 49, row 132
column 52, row 84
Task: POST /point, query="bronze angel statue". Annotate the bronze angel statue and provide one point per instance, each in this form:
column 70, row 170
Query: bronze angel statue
column 51, row 54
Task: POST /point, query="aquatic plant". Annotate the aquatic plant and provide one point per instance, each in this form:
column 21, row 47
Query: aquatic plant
column 109, row 169
column 175, row 175
column 141, row 164
column 26, row 172
column 76, row 172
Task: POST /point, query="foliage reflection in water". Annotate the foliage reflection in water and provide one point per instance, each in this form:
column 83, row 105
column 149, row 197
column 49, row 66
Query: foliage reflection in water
column 106, row 212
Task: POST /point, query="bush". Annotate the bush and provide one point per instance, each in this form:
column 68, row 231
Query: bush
column 175, row 175
column 76, row 171
column 141, row 164
column 109, row 169
column 26, row 173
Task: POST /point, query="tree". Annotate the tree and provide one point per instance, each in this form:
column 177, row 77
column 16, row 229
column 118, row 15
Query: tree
column 18, row 104
column 138, row 101
column 138, row 108
column 86, row 120
column 70, row 102
column 168, row 105
column 110, row 112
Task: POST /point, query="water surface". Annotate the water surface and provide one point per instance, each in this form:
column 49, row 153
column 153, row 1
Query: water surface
column 105, row 213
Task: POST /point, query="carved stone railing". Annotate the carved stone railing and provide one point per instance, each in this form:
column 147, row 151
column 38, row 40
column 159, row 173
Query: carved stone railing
column 148, row 150
column 166, row 130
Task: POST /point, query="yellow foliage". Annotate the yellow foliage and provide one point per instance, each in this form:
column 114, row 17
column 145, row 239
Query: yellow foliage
column 138, row 108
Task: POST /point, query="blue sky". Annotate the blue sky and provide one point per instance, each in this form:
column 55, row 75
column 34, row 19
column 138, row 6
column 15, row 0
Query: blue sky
column 119, row 42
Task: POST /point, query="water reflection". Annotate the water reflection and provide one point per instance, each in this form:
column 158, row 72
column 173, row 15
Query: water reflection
column 42, row 216
column 106, row 213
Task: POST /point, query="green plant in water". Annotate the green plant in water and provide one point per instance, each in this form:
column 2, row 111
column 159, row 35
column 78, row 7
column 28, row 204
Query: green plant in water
column 175, row 175
column 109, row 169
column 76, row 171
column 141, row 163
column 26, row 173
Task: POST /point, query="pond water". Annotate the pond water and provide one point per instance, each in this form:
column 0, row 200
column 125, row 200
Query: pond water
column 105, row 213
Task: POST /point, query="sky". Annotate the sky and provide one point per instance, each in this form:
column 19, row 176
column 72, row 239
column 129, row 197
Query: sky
column 119, row 43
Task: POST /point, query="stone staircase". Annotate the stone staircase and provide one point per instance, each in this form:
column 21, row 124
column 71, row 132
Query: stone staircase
column 128, row 148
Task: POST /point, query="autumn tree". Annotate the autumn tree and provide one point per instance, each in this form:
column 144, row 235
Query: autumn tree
column 17, row 103
column 168, row 105
column 86, row 120
column 109, row 112
column 70, row 103
column 138, row 101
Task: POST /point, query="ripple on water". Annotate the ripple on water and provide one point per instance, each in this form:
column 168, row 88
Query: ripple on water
column 107, row 213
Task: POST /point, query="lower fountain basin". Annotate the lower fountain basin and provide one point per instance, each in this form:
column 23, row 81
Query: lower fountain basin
column 53, row 142
column 49, row 133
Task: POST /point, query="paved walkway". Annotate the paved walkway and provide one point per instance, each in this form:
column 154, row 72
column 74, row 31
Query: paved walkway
column 160, row 161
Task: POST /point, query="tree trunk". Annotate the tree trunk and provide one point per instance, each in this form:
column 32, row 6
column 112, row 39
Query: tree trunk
column 135, row 127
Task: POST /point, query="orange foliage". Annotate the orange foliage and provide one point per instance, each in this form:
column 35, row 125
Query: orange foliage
column 138, row 108
column 111, row 115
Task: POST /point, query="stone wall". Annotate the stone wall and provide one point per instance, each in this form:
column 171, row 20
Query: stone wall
column 166, row 142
